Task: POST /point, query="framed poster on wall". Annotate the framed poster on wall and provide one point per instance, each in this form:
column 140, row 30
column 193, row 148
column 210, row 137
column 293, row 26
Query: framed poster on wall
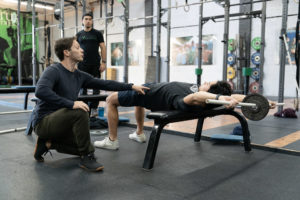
column 291, row 41
column 184, row 50
column 117, row 54
column 134, row 53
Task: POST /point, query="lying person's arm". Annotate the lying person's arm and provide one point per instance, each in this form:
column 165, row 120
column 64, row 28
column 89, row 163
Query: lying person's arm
column 238, row 97
column 199, row 98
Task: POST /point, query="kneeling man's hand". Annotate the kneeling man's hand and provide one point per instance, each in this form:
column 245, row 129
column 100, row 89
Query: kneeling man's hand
column 140, row 89
column 81, row 105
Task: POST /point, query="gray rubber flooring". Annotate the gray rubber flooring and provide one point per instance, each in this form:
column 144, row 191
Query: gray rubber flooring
column 266, row 130
column 183, row 170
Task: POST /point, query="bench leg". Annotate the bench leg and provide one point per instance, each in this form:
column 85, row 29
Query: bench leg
column 246, row 135
column 26, row 100
column 152, row 146
column 198, row 133
column 246, row 132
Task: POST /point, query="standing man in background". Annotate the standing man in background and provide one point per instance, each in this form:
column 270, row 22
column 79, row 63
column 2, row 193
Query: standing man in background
column 90, row 40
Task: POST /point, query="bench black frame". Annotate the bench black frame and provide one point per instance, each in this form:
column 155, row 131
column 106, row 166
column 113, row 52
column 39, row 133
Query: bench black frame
column 162, row 118
column 19, row 89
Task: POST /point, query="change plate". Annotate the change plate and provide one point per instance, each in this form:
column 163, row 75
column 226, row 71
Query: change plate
column 231, row 45
column 231, row 84
column 231, row 59
column 256, row 43
column 254, row 87
column 255, row 58
column 230, row 72
column 255, row 73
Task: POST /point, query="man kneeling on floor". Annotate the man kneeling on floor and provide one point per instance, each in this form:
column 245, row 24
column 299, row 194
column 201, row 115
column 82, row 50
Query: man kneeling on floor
column 61, row 122
column 164, row 96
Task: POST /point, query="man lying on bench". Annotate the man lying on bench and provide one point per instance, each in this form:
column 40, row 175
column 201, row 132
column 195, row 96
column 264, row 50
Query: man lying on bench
column 164, row 96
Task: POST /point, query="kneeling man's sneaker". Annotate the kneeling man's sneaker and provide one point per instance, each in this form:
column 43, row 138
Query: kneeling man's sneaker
column 107, row 144
column 141, row 138
column 89, row 163
column 40, row 150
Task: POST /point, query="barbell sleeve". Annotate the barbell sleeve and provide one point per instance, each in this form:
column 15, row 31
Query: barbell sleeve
column 220, row 102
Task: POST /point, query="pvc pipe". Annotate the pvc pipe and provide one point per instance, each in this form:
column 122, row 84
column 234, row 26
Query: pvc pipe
column 15, row 112
column 13, row 130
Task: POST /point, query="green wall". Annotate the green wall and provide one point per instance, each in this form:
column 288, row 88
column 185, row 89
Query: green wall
column 9, row 42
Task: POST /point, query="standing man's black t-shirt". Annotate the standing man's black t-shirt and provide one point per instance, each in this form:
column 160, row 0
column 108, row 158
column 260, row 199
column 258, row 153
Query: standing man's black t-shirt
column 89, row 42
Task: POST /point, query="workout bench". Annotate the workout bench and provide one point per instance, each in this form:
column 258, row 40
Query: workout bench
column 19, row 89
column 162, row 118
column 100, row 97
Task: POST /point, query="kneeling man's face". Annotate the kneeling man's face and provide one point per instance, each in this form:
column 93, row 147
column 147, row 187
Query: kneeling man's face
column 76, row 52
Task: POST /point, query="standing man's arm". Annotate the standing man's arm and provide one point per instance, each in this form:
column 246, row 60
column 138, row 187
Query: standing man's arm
column 103, row 57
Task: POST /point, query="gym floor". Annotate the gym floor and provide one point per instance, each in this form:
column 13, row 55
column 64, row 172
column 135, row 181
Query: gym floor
column 182, row 170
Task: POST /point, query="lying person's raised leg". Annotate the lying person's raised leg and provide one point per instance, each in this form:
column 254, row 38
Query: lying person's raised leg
column 123, row 98
column 111, row 142
column 139, row 135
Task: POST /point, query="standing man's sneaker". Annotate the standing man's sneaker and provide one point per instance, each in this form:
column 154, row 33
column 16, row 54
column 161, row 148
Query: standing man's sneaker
column 141, row 138
column 89, row 163
column 107, row 144
column 40, row 149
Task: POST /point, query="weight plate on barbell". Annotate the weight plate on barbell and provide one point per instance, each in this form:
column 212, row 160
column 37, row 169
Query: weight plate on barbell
column 230, row 72
column 231, row 59
column 255, row 58
column 256, row 43
column 231, row 45
column 260, row 111
column 254, row 87
column 255, row 73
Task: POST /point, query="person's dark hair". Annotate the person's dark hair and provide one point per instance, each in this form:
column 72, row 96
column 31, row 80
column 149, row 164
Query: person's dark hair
column 87, row 14
column 221, row 87
column 63, row 44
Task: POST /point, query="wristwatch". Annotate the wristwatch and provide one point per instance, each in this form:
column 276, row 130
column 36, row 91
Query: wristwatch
column 217, row 97
column 104, row 61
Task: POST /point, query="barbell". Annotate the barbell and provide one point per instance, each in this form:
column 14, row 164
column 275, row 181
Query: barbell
column 254, row 106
